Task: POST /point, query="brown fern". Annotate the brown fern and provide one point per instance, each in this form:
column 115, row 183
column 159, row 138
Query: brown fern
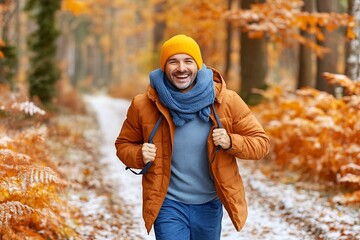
column 315, row 133
column 9, row 157
column 12, row 212
column 30, row 193
column 40, row 175
column 18, row 220
column 32, row 190
column 352, row 87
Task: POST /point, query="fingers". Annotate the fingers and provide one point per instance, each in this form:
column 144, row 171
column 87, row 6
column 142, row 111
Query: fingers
column 220, row 137
column 148, row 152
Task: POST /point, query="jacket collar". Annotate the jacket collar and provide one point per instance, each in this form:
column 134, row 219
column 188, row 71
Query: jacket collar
column 220, row 85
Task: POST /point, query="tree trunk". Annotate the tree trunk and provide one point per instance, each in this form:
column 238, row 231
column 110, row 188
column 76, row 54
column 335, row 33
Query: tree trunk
column 110, row 56
column 158, row 31
column 352, row 68
column 306, row 61
column 78, row 60
column 228, row 45
column 329, row 62
column 253, row 63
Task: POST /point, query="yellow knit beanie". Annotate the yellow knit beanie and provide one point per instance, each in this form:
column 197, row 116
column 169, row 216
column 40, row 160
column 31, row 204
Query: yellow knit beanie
column 180, row 44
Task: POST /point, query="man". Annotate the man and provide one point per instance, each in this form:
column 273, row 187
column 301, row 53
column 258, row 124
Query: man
column 202, row 128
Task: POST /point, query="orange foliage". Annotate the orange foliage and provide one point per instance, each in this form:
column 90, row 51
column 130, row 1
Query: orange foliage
column 2, row 44
column 280, row 20
column 352, row 87
column 31, row 189
column 314, row 133
column 123, row 28
column 43, row 190
column 202, row 20
column 5, row 6
column 76, row 7
column 30, row 192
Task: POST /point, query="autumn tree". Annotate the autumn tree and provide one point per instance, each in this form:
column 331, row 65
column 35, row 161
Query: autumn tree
column 280, row 22
column 104, row 37
column 159, row 28
column 228, row 42
column 253, row 62
column 203, row 21
column 74, row 31
column 116, row 41
column 43, row 72
column 330, row 40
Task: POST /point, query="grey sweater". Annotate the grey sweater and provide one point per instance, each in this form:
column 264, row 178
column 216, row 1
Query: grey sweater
column 190, row 180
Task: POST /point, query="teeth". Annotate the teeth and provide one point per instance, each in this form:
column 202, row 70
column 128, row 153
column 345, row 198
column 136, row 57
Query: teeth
column 182, row 76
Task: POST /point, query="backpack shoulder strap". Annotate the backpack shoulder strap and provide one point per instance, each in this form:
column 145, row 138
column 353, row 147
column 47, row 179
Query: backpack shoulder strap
column 217, row 117
column 153, row 131
column 152, row 134
column 219, row 124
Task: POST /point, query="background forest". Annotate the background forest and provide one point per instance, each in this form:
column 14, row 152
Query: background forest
column 296, row 63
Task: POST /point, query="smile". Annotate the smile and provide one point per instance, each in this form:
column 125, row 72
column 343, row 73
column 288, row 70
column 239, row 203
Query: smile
column 182, row 76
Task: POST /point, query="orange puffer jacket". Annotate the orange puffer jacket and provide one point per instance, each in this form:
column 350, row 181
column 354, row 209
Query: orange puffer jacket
column 248, row 139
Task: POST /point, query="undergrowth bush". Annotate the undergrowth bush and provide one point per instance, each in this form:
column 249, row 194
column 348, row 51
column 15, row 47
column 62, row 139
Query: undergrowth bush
column 32, row 199
column 316, row 134
column 32, row 192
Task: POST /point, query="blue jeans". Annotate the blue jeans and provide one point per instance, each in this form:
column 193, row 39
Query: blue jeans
column 179, row 221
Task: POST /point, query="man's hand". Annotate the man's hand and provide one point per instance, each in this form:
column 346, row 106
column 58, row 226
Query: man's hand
column 148, row 152
column 220, row 137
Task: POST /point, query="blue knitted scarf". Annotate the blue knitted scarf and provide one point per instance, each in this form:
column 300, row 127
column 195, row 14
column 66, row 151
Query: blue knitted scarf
column 184, row 106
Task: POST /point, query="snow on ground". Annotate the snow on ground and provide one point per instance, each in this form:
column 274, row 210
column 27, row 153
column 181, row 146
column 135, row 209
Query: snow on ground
column 276, row 211
column 111, row 114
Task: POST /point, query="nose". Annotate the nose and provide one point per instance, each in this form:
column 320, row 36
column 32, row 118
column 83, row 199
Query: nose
column 181, row 66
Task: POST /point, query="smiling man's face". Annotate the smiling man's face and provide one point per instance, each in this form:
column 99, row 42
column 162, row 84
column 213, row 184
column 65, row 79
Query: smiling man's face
column 181, row 69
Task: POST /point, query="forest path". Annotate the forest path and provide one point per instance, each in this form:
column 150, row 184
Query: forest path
column 276, row 211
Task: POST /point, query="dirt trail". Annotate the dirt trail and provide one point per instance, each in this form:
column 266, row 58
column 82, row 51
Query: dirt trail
column 276, row 211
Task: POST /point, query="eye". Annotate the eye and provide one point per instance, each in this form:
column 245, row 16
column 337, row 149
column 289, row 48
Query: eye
column 172, row 62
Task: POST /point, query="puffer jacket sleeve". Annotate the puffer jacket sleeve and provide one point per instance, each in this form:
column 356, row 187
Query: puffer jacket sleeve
column 248, row 138
column 129, row 142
